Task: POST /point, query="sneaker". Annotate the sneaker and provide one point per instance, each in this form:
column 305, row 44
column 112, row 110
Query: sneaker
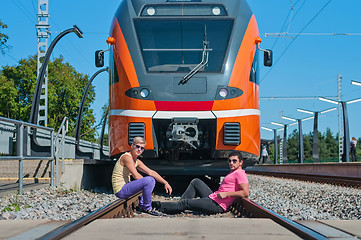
column 156, row 204
column 152, row 212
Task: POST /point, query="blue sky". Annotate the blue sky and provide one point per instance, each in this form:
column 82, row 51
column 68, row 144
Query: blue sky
column 305, row 65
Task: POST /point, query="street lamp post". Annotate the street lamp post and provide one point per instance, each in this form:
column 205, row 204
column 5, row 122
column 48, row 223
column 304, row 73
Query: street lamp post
column 275, row 141
column 284, row 150
column 36, row 148
column 36, row 99
column 315, row 153
column 355, row 83
column 300, row 136
column 78, row 152
column 346, row 140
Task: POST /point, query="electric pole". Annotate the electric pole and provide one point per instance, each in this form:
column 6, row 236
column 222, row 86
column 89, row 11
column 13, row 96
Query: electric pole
column 43, row 32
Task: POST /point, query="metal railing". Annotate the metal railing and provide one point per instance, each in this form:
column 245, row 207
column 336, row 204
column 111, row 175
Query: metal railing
column 21, row 127
column 59, row 144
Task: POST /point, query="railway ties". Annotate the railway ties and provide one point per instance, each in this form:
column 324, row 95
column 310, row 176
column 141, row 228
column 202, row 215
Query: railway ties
column 251, row 221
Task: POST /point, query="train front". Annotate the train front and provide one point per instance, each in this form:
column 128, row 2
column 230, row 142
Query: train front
column 184, row 76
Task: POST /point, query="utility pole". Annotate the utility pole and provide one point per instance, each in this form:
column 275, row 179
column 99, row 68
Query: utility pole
column 340, row 119
column 43, row 30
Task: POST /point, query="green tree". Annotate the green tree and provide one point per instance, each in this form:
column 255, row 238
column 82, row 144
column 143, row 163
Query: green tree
column 3, row 38
column 65, row 89
column 358, row 149
column 105, row 118
column 292, row 146
column 8, row 94
column 307, row 145
column 329, row 144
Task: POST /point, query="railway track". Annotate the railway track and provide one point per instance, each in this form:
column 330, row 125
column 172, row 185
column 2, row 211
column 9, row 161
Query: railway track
column 118, row 209
column 348, row 174
column 241, row 208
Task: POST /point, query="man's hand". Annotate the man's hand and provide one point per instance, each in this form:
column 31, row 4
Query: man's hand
column 168, row 188
column 222, row 195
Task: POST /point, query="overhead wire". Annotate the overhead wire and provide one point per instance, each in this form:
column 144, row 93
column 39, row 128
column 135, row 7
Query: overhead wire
column 297, row 35
column 12, row 57
column 289, row 22
column 25, row 11
column 34, row 8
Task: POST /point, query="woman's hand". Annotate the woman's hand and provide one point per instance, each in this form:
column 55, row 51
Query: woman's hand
column 168, row 188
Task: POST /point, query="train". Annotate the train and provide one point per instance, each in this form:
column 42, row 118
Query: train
column 184, row 75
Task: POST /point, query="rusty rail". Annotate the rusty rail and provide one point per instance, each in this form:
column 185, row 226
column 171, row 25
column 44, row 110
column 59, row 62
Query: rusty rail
column 248, row 208
column 117, row 209
column 330, row 179
column 125, row 208
column 344, row 174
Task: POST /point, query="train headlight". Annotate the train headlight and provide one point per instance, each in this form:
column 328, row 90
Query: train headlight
column 144, row 93
column 223, row 92
column 216, row 11
column 151, row 11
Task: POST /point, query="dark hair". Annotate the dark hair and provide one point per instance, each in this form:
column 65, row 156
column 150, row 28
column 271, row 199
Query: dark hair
column 236, row 153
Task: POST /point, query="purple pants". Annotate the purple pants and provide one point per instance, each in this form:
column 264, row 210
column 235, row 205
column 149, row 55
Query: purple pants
column 146, row 184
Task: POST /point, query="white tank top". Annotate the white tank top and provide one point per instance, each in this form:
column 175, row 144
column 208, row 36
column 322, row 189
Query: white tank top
column 121, row 174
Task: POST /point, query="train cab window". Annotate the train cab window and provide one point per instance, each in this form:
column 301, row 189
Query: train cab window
column 113, row 76
column 253, row 76
column 177, row 45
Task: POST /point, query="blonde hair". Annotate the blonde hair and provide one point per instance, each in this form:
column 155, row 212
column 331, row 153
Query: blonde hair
column 139, row 140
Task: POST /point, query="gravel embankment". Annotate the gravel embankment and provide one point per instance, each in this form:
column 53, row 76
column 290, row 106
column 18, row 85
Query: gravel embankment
column 298, row 200
column 289, row 198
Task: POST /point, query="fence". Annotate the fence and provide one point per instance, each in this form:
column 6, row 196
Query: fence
column 21, row 129
column 15, row 145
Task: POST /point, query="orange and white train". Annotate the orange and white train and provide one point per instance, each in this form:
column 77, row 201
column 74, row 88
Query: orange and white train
column 184, row 75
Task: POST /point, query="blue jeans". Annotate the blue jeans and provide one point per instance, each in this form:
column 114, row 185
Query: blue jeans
column 146, row 184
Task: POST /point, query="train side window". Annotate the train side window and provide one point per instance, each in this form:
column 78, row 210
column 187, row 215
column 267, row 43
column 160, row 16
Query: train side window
column 114, row 77
column 253, row 76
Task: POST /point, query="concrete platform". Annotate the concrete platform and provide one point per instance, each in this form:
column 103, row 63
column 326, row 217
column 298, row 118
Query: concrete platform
column 26, row 229
column 169, row 228
column 351, row 226
column 183, row 228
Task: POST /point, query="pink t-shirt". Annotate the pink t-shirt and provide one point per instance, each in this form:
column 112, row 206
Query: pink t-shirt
column 229, row 184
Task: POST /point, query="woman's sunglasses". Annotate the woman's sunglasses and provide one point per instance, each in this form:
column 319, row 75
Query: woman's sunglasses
column 139, row 147
column 234, row 161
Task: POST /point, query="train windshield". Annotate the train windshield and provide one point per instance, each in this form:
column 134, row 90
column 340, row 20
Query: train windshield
column 178, row 45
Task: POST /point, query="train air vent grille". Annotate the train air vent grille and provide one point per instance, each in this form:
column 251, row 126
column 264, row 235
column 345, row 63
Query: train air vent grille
column 232, row 133
column 135, row 130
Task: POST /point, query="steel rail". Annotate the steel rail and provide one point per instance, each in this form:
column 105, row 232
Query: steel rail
column 331, row 179
column 125, row 207
column 117, row 209
column 249, row 208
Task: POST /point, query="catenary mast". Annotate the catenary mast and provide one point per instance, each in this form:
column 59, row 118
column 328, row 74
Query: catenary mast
column 43, row 32
column 340, row 119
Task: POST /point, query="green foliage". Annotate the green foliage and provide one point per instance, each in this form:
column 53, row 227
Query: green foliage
column 8, row 96
column 12, row 207
column 3, row 38
column 328, row 145
column 105, row 110
column 65, row 90
column 292, row 146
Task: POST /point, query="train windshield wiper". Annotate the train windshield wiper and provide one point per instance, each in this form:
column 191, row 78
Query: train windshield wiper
column 204, row 61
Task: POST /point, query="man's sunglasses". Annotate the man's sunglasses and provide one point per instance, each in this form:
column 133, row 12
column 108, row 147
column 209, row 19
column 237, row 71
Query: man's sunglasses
column 139, row 147
column 234, row 161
